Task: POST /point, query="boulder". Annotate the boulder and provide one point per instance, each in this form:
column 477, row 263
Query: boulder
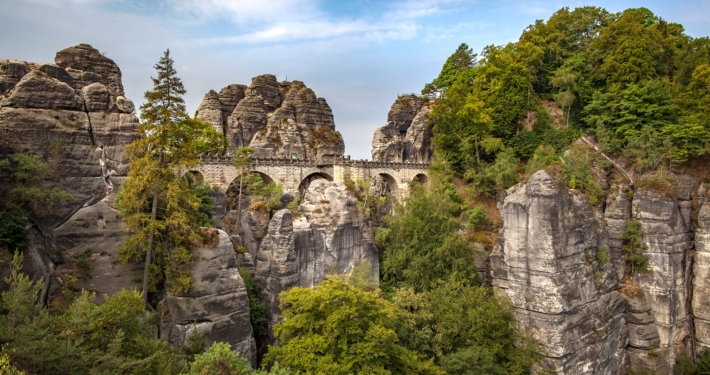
column 269, row 89
column 11, row 72
column 38, row 90
column 89, row 243
column 229, row 97
column 403, row 111
column 218, row 306
column 96, row 97
column 87, row 65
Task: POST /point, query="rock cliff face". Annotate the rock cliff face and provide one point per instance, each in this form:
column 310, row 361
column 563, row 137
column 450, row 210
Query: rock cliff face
column 74, row 113
column 277, row 119
column 541, row 265
column 407, row 134
column 218, row 307
column 328, row 235
column 593, row 318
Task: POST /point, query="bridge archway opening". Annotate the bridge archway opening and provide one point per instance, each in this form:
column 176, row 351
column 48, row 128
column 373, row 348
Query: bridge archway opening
column 232, row 193
column 385, row 184
column 194, row 178
column 303, row 186
column 421, row 179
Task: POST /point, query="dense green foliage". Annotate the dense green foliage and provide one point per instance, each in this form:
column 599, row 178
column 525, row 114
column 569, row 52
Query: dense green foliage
column 429, row 274
column 458, row 323
column 422, row 244
column 115, row 337
column 337, row 328
column 684, row 365
column 257, row 310
column 33, row 185
column 111, row 338
column 161, row 211
column 635, row 81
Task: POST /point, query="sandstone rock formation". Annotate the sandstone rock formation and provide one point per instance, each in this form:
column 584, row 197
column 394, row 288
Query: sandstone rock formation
column 573, row 308
column 218, row 306
column 277, row 119
column 74, row 114
column 407, row 135
column 329, row 234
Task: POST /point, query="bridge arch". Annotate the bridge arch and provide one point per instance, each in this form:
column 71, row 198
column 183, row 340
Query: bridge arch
column 390, row 184
column 303, row 186
column 421, row 179
column 232, row 191
column 194, row 178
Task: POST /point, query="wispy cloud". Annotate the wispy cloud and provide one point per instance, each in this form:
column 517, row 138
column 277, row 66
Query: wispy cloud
column 289, row 21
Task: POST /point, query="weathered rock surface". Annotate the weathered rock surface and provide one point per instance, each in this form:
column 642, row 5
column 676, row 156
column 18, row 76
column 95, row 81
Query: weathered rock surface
column 387, row 145
column 540, row 264
column 38, row 90
column 331, row 233
column 403, row 111
column 276, row 263
column 87, row 65
column 11, row 72
column 74, row 115
column 218, row 306
column 275, row 119
column 210, row 110
column 89, row 243
column 407, row 135
column 701, row 273
column 328, row 235
column 669, row 237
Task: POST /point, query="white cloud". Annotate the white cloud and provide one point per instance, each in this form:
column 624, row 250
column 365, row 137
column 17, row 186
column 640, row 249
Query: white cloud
column 290, row 21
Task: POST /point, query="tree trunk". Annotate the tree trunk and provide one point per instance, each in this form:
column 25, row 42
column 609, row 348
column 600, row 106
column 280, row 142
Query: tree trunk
column 239, row 203
column 569, row 109
column 478, row 155
column 148, row 254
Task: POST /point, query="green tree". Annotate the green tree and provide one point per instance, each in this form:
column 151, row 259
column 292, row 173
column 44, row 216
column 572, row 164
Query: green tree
column 336, row 328
column 462, row 127
column 421, row 243
column 159, row 207
column 453, row 321
column 219, row 359
column 628, row 51
column 32, row 186
column 566, row 79
column 257, row 309
column 461, row 60
column 634, row 248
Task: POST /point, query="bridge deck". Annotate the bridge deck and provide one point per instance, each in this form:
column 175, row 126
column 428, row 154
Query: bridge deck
column 315, row 163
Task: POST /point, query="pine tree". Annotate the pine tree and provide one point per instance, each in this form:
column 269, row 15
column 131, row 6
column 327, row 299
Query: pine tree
column 634, row 248
column 159, row 207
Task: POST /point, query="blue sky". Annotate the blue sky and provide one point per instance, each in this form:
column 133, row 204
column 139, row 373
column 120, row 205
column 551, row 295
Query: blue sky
column 357, row 54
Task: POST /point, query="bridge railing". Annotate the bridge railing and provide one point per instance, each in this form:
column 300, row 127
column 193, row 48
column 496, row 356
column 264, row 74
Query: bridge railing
column 315, row 163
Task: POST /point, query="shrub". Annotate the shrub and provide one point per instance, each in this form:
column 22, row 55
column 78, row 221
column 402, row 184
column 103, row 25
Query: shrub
column 476, row 216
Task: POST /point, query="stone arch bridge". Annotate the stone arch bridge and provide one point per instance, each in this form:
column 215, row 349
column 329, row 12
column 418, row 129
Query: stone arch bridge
column 294, row 174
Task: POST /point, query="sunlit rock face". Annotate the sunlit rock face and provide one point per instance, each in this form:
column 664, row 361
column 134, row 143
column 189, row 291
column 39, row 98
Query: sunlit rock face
column 74, row 114
column 406, row 137
column 276, row 119
column 540, row 264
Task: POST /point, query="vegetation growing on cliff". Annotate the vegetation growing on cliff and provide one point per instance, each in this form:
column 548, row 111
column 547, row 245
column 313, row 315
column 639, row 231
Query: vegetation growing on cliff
column 33, row 186
column 160, row 209
column 636, row 82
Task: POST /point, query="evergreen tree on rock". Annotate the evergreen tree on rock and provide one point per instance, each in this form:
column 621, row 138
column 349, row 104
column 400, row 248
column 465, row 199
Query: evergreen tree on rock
column 158, row 205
